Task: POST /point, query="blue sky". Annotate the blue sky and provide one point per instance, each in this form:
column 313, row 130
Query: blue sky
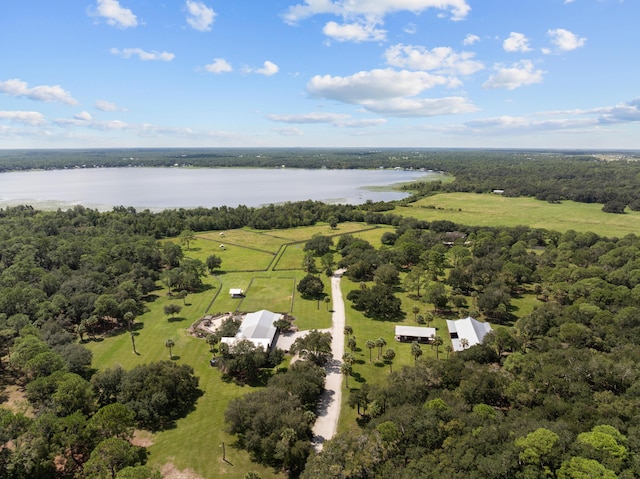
column 320, row 73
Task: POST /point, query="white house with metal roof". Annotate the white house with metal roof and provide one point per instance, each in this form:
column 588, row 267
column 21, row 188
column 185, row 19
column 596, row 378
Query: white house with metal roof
column 258, row 328
column 468, row 328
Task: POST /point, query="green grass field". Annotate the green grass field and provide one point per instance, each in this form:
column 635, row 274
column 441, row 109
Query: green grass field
column 495, row 210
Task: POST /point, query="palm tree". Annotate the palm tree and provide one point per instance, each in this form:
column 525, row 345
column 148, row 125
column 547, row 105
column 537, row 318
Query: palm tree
column 415, row 311
column 133, row 342
column 437, row 342
column 416, row 351
column 170, row 343
column 348, row 330
column 370, row 345
column 448, row 349
column 351, row 344
column 380, row 343
column 327, row 300
column 388, row 356
column 129, row 317
column 346, row 369
column 183, row 296
column 81, row 329
column 429, row 317
column 464, row 342
column 348, row 358
column 211, row 341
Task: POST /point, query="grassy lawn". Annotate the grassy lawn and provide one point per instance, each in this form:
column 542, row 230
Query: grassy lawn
column 291, row 257
column 244, row 237
column 495, row 210
column 305, row 233
column 196, row 441
column 276, row 292
column 374, row 234
column 234, row 257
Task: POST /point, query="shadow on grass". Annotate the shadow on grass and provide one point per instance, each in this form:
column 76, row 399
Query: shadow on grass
column 359, row 378
column 176, row 319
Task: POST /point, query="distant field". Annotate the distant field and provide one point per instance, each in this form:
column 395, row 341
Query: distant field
column 305, row 233
column 244, row 237
column 495, row 210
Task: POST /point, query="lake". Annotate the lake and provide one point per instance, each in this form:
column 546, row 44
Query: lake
column 164, row 188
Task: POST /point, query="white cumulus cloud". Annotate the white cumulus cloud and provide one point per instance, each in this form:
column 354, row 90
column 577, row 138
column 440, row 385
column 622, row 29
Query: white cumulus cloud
column 83, row 116
column 104, row 105
column 354, row 32
column 421, row 107
column 440, row 59
column 313, row 117
column 115, row 14
column 565, row 40
column 199, row 16
column 268, row 68
column 389, row 92
column 470, row 39
column 32, row 118
column 289, row 131
column 519, row 74
column 369, row 9
column 335, row 119
column 143, row 55
column 517, row 42
column 376, row 84
column 46, row 93
column 219, row 65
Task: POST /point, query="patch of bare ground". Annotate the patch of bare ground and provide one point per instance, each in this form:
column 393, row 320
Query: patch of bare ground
column 142, row 438
column 170, row 471
column 14, row 399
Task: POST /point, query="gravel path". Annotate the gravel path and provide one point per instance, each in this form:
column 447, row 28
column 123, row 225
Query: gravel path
column 329, row 407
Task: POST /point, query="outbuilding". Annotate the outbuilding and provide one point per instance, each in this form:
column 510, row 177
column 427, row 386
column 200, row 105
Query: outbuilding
column 406, row 334
column 236, row 292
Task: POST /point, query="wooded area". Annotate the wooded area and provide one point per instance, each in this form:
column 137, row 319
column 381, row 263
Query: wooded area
column 555, row 392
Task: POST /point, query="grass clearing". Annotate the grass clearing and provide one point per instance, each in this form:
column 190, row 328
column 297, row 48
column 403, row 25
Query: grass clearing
column 244, row 237
column 306, row 232
column 496, row 210
column 276, row 292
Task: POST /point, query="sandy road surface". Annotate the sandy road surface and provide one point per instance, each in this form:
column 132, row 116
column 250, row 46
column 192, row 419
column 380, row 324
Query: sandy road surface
column 329, row 407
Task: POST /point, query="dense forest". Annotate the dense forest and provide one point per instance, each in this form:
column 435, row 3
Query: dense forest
column 553, row 393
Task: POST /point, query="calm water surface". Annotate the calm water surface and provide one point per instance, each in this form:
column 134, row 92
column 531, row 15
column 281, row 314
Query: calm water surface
column 162, row 188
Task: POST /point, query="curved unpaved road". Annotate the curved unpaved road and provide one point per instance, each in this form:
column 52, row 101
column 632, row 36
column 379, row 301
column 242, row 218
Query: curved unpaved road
column 328, row 410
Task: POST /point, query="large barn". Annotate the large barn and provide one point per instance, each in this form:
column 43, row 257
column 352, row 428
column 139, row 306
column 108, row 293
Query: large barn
column 472, row 330
column 258, row 328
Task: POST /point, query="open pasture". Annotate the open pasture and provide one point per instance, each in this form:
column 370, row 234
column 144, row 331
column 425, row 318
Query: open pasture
column 235, row 257
column 496, row 210
column 305, row 233
column 269, row 292
column 291, row 258
column 244, row 237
